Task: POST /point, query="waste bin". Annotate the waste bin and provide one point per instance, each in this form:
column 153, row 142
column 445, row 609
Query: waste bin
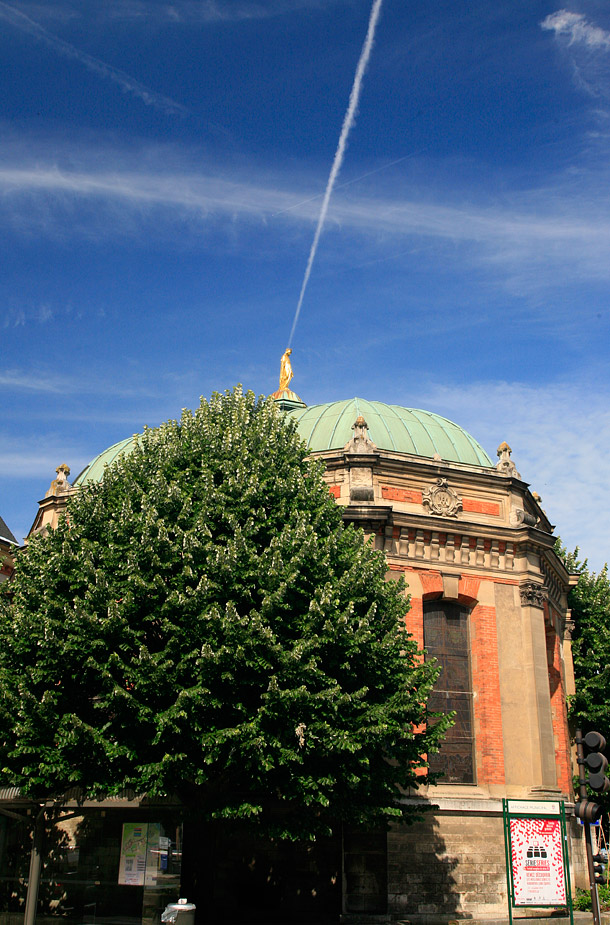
column 180, row 913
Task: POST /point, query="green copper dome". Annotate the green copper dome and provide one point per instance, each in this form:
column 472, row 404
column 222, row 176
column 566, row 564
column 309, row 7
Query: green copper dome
column 391, row 427
column 329, row 427
column 95, row 470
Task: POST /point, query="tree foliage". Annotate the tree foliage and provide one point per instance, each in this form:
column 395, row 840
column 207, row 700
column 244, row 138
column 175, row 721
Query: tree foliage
column 203, row 624
column 589, row 601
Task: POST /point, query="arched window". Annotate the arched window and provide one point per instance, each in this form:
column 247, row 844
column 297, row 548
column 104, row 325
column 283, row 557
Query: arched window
column 446, row 639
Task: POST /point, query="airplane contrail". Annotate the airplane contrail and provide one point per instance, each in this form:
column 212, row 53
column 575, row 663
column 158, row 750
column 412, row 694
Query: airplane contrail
column 127, row 83
column 348, row 122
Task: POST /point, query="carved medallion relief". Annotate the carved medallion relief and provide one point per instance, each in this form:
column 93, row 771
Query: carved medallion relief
column 442, row 500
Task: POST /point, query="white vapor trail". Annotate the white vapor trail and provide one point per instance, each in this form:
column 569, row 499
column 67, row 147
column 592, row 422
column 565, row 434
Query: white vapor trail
column 127, row 83
column 348, row 122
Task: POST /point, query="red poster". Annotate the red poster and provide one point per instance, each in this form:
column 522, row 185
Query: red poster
column 537, row 862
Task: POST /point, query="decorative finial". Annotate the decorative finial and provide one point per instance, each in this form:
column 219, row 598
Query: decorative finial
column 360, row 442
column 285, row 370
column 60, row 484
column 506, row 466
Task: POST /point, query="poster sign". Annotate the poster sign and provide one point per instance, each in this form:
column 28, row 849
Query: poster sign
column 537, row 862
column 132, row 867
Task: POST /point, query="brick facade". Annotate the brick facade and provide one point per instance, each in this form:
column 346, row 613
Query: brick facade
column 559, row 711
column 489, row 745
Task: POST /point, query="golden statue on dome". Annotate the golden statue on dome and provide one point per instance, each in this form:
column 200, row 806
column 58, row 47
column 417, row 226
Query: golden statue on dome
column 285, row 370
column 285, row 398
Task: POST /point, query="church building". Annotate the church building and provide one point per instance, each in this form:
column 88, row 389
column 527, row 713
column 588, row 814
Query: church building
column 488, row 600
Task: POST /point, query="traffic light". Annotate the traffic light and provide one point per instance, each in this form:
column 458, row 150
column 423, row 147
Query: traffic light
column 587, row 811
column 599, row 863
column 596, row 762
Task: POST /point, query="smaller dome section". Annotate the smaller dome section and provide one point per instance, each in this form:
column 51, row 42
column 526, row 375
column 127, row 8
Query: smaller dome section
column 95, row 470
column 288, row 400
column 402, row 430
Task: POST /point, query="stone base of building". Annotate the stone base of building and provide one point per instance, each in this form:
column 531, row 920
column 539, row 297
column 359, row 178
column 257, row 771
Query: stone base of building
column 449, row 866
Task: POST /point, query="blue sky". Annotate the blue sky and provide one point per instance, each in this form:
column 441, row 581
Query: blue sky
column 162, row 168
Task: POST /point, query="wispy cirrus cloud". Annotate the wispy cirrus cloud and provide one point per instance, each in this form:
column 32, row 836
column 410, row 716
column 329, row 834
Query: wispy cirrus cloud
column 23, row 464
column 51, row 383
column 577, row 29
column 33, row 382
column 564, row 229
column 126, row 82
column 187, row 12
column 587, row 47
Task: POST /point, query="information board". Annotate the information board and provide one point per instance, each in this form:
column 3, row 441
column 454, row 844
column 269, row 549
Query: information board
column 132, row 867
column 537, row 862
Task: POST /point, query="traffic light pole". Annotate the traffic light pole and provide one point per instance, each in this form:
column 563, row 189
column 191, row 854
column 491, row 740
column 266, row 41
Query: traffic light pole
column 582, row 790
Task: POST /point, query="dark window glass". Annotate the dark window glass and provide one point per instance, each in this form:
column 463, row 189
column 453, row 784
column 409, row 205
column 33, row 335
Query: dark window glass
column 446, row 640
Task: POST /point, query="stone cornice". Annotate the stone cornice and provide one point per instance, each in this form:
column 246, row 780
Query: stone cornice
column 539, row 540
column 369, row 460
column 403, row 464
column 373, row 513
column 420, row 541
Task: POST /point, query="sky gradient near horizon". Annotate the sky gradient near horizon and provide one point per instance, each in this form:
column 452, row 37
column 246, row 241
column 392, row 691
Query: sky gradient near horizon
column 162, row 169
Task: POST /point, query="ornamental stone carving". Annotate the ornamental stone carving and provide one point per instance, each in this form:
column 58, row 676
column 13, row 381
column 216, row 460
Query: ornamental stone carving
column 442, row 500
column 533, row 594
column 360, row 443
column 60, row 484
column 517, row 517
column 505, row 465
column 361, row 455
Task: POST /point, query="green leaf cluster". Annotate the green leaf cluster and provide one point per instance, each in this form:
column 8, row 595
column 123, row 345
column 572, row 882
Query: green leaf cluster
column 582, row 899
column 203, row 624
column 589, row 601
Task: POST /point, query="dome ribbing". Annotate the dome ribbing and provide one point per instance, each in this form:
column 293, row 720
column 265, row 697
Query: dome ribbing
column 402, row 430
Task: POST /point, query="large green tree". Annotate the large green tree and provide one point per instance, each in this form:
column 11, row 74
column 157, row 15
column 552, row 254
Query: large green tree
column 203, row 624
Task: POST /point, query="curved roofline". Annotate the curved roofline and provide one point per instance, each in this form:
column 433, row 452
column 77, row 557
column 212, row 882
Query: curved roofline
column 391, row 427
column 95, row 469
column 328, row 426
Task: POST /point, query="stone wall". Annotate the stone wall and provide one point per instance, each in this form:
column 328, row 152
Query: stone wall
column 446, row 867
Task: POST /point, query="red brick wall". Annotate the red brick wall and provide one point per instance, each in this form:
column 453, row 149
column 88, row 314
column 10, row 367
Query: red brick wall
column 559, row 712
column 415, row 621
column 431, row 582
column 468, row 591
column 401, row 494
column 480, row 507
column 486, row 686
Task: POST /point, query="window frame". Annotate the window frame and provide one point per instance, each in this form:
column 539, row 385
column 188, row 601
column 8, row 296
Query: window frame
column 447, row 607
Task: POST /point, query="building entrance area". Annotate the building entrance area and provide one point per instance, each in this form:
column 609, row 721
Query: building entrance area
column 100, row 867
